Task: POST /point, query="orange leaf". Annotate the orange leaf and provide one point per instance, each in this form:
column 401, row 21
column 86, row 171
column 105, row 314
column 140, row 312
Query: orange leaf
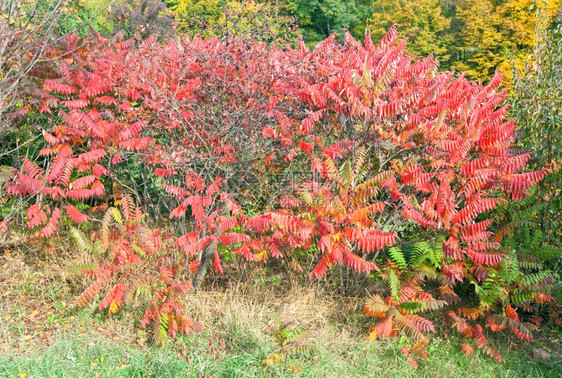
column 467, row 349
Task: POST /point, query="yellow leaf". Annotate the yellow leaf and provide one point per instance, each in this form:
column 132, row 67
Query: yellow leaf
column 113, row 308
column 24, row 374
column 268, row 361
column 262, row 256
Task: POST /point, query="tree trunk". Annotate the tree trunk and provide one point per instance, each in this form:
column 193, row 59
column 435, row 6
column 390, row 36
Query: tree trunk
column 205, row 260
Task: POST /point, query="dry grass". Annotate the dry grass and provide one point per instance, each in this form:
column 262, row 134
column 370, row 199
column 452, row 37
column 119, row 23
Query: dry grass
column 323, row 318
column 299, row 305
column 28, row 291
column 38, row 290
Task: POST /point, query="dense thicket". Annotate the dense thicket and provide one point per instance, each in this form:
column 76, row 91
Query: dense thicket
column 164, row 158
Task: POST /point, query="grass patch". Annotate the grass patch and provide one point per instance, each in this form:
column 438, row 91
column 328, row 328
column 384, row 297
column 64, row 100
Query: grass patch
column 42, row 336
column 242, row 356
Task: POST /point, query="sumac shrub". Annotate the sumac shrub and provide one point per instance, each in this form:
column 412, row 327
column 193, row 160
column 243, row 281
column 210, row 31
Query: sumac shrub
column 351, row 150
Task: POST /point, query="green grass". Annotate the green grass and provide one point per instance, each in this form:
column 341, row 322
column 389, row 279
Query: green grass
column 242, row 351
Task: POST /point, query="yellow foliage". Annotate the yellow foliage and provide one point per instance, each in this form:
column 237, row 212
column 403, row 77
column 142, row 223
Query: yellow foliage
column 372, row 334
column 212, row 17
column 490, row 36
column 419, row 20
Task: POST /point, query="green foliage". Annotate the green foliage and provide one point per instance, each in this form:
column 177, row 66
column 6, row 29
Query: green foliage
column 288, row 339
column 425, row 252
column 393, row 283
column 537, row 100
column 83, row 243
column 320, row 18
column 412, row 256
column 80, row 15
column 398, row 258
column 526, row 277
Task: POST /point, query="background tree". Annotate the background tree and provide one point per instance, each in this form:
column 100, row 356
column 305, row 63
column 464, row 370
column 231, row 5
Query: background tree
column 421, row 21
column 142, row 18
column 263, row 20
column 537, row 99
column 197, row 15
column 479, row 40
column 83, row 15
column 520, row 21
column 320, row 18
column 537, row 104
column 487, row 33
column 28, row 33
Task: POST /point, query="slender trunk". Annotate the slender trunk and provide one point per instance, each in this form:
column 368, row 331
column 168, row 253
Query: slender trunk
column 205, row 260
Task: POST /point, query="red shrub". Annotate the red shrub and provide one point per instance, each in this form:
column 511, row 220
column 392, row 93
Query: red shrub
column 390, row 140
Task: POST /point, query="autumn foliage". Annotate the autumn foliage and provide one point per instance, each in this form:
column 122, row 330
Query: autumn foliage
column 345, row 151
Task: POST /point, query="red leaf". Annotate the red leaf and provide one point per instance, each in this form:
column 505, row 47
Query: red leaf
column 51, row 227
column 99, row 171
column 233, row 238
column 306, row 147
column 76, row 215
column 35, row 215
column 217, row 263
